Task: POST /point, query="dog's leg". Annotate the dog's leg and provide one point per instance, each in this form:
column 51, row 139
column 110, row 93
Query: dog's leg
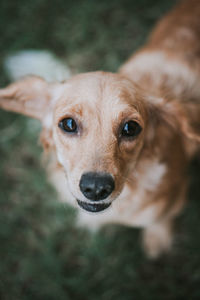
column 157, row 238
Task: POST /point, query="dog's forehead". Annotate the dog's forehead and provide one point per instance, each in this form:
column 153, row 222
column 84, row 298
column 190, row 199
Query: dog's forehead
column 96, row 89
column 100, row 96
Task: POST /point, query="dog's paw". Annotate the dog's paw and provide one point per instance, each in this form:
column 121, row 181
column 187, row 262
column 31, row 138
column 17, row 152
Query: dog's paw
column 157, row 240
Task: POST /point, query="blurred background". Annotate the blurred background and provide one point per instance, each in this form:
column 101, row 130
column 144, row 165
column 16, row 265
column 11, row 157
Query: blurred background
column 42, row 253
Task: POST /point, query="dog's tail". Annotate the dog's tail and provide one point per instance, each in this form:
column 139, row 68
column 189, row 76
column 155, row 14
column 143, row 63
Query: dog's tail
column 36, row 62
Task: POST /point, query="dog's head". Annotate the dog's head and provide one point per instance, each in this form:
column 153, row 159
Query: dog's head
column 98, row 123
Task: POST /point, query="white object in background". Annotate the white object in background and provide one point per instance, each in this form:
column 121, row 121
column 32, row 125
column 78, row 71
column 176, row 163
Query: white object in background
column 36, row 62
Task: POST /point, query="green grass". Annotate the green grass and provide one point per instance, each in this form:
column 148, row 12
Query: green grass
column 43, row 256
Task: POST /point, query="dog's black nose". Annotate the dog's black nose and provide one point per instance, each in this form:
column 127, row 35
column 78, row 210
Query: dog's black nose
column 96, row 186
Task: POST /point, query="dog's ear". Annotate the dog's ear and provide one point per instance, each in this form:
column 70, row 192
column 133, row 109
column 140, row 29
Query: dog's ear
column 30, row 96
column 183, row 117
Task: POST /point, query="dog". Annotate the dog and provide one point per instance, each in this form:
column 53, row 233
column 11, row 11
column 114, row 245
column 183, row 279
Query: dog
column 120, row 143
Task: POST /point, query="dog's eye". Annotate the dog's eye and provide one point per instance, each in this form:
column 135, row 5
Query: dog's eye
column 68, row 125
column 130, row 129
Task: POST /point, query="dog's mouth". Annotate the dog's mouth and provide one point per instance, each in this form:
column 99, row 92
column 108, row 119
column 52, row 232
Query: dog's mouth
column 93, row 207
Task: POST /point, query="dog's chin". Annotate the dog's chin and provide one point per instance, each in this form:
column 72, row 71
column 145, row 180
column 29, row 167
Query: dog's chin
column 93, row 207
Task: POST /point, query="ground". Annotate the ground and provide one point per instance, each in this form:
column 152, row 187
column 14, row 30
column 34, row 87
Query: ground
column 43, row 256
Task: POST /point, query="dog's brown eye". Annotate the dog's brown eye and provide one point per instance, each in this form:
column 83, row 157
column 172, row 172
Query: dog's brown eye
column 130, row 129
column 68, row 125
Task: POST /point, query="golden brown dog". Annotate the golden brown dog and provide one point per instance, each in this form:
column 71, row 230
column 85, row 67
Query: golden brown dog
column 120, row 143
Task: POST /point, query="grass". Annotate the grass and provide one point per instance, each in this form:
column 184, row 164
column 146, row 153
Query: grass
column 43, row 256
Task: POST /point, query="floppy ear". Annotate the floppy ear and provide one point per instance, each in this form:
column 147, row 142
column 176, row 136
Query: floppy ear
column 30, row 96
column 183, row 117
column 180, row 116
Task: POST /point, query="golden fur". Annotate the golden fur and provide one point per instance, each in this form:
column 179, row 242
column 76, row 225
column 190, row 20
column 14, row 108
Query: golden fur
column 159, row 88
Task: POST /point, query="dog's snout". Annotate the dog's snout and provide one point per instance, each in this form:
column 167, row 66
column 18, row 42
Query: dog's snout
column 96, row 186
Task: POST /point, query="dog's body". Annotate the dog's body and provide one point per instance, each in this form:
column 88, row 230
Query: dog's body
column 130, row 134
